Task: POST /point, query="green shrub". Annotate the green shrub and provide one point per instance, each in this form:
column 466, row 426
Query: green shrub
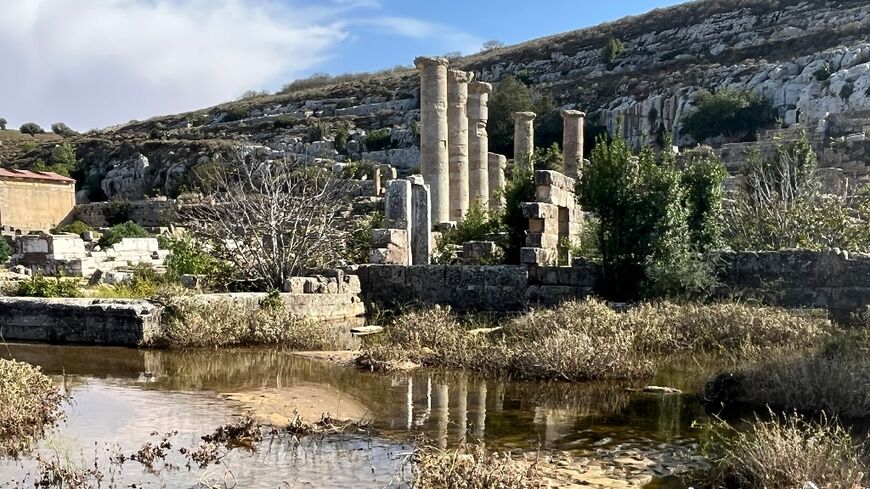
column 29, row 404
column 118, row 211
column 75, row 227
column 847, row 91
column 359, row 170
column 361, row 238
column 548, row 158
column 2, row 124
column 118, row 232
column 63, row 159
column 186, row 257
column 519, row 188
column 235, row 113
column 31, row 128
column 643, row 210
column 341, row 137
column 509, row 96
column 823, row 73
column 40, row 286
column 378, row 139
column 612, row 49
column 702, row 178
column 728, row 113
column 5, row 250
column 284, row 121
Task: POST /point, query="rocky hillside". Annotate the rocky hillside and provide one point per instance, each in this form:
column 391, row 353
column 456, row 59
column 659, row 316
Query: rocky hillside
column 807, row 55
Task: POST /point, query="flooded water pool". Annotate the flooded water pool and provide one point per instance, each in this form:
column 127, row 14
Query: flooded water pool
column 120, row 398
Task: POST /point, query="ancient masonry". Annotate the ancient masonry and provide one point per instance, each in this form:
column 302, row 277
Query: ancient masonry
column 458, row 171
column 554, row 219
column 524, row 137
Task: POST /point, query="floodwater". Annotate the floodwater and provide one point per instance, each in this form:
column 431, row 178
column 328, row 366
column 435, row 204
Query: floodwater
column 122, row 398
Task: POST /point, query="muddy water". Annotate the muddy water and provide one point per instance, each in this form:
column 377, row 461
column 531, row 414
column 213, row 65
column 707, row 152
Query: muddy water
column 119, row 397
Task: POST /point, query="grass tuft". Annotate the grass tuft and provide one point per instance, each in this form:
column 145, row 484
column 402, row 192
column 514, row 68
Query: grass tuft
column 28, row 405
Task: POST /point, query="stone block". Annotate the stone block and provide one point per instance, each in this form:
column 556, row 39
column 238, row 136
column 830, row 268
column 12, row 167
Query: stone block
column 537, row 256
column 33, row 244
column 352, row 284
column 295, row 285
column 397, row 205
column 191, row 281
column 381, row 238
column 548, row 275
column 550, row 178
column 539, row 210
column 555, row 196
column 542, row 240
column 114, row 277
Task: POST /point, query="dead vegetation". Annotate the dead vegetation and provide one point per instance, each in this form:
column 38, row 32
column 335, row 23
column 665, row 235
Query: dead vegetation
column 789, row 451
column 29, row 404
column 188, row 322
column 471, row 467
column 588, row 340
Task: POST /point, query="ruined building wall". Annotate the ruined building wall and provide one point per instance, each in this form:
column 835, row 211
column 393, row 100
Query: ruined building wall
column 31, row 205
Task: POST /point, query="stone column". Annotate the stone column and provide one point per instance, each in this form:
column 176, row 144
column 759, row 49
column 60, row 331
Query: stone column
column 434, row 160
column 478, row 142
column 497, row 166
column 524, row 137
column 457, row 122
column 421, row 221
column 572, row 142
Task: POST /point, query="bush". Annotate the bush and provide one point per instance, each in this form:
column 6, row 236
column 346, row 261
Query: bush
column 118, row 212
column 186, row 257
column 644, row 210
column 611, row 50
column 548, row 158
column 2, row 124
column 361, row 238
column 510, row 96
column 118, row 232
column 702, row 178
column 378, row 139
column 823, row 73
column 788, row 452
column 31, row 128
column 341, row 137
column 847, row 91
column 29, row 404
column 62, row 129
column 471, row 467
column 587, row 340
column 734, row 114
column 5, row 250
column 519, row 188
column 235, row 113
column 284, row 121
column 40, row 286
column 75, row 227
column 191, row 323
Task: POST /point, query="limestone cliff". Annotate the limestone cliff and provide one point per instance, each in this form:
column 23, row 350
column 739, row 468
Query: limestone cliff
column 803, row 55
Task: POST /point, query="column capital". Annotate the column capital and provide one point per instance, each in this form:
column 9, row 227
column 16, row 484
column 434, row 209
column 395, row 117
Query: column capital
column 479, row 87
column 430, row 61
column 524, row 116
column 459, row 76
column 569, row 114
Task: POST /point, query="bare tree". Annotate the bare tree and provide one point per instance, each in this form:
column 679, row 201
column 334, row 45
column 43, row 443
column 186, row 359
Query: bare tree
column 491, row 45
column 271, row 219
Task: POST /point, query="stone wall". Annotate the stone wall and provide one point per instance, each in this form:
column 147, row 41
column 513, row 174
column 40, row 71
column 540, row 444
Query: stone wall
column 476, row 288
column 146, row 213
column 834, row 280
column 30, row 205
column 90, row 321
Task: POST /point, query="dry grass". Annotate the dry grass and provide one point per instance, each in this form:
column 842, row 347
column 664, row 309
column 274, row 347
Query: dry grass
column 471, row 467
column 28, row 405
column 788, row 452
column 589, row 341
column 835, row 380
column 191, row 323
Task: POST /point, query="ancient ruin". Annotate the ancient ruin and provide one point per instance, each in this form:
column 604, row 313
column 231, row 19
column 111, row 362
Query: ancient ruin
column 457, row 115
column 478, row 142
column 497, row 165
column 434, row 155
column 554, row 220
column 524, row 136
column 34, row 201
column 572, row 142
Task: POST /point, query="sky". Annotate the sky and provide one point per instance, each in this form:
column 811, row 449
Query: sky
column 96, row 63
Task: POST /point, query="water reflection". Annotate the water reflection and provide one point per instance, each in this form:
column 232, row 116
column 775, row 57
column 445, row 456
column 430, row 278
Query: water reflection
column 448, row 407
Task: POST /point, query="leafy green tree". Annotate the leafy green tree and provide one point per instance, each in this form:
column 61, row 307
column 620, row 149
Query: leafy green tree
column 63, row 160
column 548, row 158
column 644, row 209
column 5, row 250
column 733, row 114
column 519, row 188
column 31, row 128
column 703, row 179
column 511, row 95
column 612, row 49
column 2, row 124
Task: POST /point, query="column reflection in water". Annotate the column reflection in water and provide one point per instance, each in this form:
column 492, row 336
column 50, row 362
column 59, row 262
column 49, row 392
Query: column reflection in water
column 480, row 422
column 441, row 411
column 410, row 402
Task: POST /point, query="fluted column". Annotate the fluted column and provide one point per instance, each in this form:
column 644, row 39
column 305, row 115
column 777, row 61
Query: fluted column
column 524, row 137
column 478, row 142
column 457, row 122
column 434, row 159
column 572, row 142
column 497, row 166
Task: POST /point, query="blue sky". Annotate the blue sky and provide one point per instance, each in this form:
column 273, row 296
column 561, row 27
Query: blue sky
column 463, row 25
column 95, row 63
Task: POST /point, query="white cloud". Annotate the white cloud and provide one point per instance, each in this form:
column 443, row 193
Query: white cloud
column 93, row 63
column 98, row 62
